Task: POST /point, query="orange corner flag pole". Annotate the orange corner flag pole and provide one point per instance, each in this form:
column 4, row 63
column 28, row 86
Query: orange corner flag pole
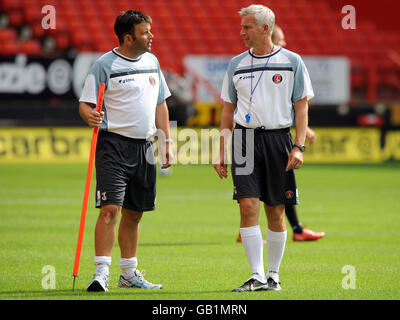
column 87, row 186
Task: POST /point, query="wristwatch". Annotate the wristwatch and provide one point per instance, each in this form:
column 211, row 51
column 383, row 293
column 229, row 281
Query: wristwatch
column 301, row 147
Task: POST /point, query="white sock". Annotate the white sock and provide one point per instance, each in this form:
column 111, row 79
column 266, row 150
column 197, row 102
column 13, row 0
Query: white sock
column 253, row 246
column 102, row 264
column 128, row 267
column 275, row 247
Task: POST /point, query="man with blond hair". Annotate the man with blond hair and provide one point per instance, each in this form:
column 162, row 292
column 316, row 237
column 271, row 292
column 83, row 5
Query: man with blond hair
column 300, row 233
column 259, row 90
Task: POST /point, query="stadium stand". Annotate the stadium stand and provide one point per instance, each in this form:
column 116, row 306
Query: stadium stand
column 186, row 27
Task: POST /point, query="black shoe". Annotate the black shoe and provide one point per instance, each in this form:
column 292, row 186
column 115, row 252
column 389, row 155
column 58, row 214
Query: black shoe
column 252, row 285
column 273, row 285
column 99, row 283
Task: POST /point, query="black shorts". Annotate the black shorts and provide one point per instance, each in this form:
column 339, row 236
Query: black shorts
column 262, row 175
column 124, row 176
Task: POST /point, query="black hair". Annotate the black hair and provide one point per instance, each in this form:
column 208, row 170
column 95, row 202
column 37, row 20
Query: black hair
column 126, row 21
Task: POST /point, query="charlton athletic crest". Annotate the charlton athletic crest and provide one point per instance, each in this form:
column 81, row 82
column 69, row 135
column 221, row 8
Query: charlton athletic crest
column 152, row 81
column 289, row 194
column 277, row 78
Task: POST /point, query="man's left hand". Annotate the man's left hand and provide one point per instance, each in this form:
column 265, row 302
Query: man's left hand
column 167, row 156
column 295, row 159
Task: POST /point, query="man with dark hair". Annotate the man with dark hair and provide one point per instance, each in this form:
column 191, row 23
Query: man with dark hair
column 134, row 108
column 125, row 24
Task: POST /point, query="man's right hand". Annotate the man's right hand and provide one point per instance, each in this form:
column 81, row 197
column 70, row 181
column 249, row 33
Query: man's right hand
column 227, row 124
column 90, row 115
column 95, row 118
column 221, row 168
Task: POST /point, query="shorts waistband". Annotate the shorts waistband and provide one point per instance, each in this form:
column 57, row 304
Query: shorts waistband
column 121, row 137
column 264, row 130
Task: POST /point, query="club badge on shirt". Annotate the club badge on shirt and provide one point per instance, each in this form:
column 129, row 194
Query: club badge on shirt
column 152, row 81
column 277, row 78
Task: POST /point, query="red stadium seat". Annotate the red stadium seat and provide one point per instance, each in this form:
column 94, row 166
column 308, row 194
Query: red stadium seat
column 32, row 10
column 102, row 47
column 10, row 5
column 94, row 26
column 16, row 18
column 204, row 27
column 81, row 40
column 391, row 40
column 9, row 48
column 37, row 30
column 8, row 35
column 55, row 3
column 31, row 48
column 107, row 7
column 62, row 40
column 61, row 26
column 126, row 4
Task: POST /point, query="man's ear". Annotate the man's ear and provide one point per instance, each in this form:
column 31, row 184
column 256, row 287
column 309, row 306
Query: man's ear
column 128, row 38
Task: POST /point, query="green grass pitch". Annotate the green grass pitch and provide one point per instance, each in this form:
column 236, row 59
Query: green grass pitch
column 188, row 243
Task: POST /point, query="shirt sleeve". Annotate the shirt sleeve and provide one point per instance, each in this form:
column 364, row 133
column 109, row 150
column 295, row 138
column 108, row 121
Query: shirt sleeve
column 228, row 91
column 97, row 74
column 163, row 92
column 302, row 86
column 225, row 90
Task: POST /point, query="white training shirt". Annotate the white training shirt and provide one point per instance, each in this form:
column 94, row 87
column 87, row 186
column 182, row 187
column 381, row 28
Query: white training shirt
column 134, row 87
column 284, row 81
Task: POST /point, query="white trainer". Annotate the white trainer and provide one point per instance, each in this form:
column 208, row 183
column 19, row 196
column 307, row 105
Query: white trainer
column 99, row 283
column 137, row 281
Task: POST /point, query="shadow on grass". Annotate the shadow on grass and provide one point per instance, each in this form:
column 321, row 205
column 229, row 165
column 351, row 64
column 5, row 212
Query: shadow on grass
column 180, row 244
column 83, row 294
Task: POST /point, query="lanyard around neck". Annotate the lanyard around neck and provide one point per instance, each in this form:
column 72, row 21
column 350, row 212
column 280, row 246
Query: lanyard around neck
column 251, row 78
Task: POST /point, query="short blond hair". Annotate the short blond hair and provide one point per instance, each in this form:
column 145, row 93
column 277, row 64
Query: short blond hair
column 262, row 15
